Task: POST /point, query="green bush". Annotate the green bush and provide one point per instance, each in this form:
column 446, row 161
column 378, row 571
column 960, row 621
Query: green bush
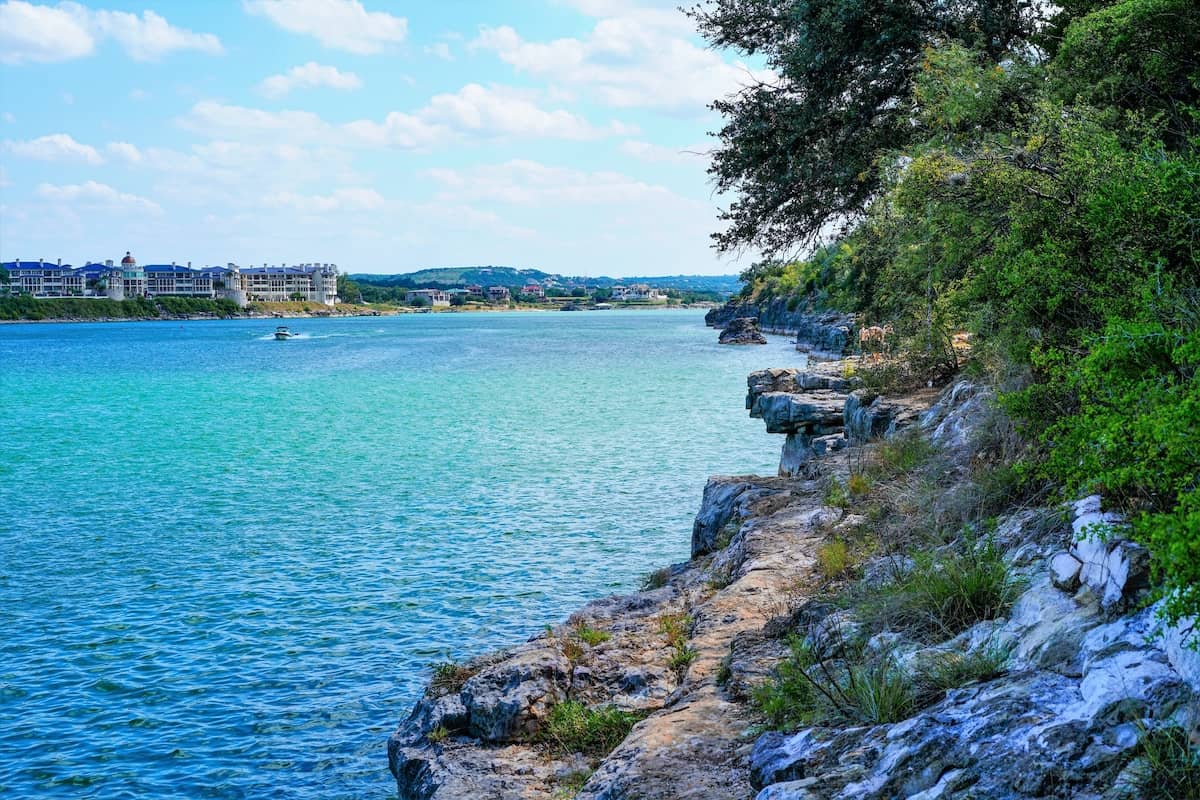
column 845, row 689
column 945, row 594
column 572, row 727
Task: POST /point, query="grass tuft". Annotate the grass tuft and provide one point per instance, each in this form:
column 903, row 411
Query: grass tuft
column 438, row 735
column 833, row 559
column 449, row 677
column 848, row 689
column 1169, row 766
column 572, row 727
column 656, row 579
column 944, row 595
column 591, row 636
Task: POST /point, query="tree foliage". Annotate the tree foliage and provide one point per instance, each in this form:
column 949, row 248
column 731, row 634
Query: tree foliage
column 803, row 150
column 1035, row 182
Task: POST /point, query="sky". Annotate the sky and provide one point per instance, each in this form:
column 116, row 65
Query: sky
column 383, row 136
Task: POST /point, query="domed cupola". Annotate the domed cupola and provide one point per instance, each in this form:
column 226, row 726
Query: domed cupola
column 128, row 260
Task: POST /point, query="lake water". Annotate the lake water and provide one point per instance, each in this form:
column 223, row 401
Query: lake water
column 227, row 562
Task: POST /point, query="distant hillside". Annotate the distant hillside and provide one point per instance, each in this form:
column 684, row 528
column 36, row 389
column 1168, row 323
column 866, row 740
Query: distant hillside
column 511, row 276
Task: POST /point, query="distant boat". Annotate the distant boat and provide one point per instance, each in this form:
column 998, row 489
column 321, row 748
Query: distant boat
column 282, row 332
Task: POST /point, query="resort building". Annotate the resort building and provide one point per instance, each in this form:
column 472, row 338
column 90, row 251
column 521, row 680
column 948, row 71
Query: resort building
column 314, row 283
column 43, row 280
column 498, row 294
column 534, row 289
column 435, row 298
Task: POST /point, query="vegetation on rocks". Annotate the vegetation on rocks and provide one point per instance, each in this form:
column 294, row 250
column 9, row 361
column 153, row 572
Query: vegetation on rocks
column 1028, row 174
column 573, row 727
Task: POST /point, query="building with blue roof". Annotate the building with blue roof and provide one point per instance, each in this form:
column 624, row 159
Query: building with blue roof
column 316, row 283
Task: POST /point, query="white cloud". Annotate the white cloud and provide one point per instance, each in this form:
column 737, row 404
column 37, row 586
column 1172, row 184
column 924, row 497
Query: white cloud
column 440, row 50
column 150, row 37
column 337, row 24
column 696, row 155
column 55, row 147
column 474, row 111
column 309, row 76
column 40, row 33
column 636, row 58
column 97, row 195
column 529, row 183
column 125, row 151
column 349, row 199
column 139, row 95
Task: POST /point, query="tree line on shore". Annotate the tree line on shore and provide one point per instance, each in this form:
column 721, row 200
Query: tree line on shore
column 1027, row 174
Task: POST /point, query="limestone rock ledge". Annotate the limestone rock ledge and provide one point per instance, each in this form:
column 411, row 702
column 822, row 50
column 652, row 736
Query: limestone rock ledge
column 1085, row 670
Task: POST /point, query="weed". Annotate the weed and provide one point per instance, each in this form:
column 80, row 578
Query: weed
column 438, row 735
column 725, row 670
column 846, row 688
column 836, row 494
column 955, row 669
column 572, row 650
column 449, row 677
column 571, row 784
column 858, row 485
column 1169, row 767
column 719, row 579
column 591, row 636
column 572, row 727
column 942, row 596
column 833, row 558
column 681, row 659
column 726, row 534
column 656, row 579
column 676, row 627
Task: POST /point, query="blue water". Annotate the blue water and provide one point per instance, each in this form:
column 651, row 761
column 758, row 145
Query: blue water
column 226, row 562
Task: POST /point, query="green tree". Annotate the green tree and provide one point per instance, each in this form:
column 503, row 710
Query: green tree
column 804, row 150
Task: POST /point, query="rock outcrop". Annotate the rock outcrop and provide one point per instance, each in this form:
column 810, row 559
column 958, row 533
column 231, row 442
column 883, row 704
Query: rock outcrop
column 826, row 334
column 1062, row 721
column 742, row 330
column 1083, row 669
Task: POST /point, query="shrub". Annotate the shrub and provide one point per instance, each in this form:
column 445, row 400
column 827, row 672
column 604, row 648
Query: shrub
column 572, row 727
column 438, row 735
column 591, row 636
column 833, row 558
column 900, row 454
column 858, row 485
column 843, row 688
column 449, row 677
column 656, row 579
column 944, row 595
column 1169, row 767
column 836, row 495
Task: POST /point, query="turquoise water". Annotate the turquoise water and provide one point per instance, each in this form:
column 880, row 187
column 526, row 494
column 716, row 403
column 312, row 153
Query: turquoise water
column 226, row 562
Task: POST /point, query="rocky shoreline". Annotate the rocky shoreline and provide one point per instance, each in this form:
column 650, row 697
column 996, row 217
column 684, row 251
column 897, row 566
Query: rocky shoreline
column 1061, row 714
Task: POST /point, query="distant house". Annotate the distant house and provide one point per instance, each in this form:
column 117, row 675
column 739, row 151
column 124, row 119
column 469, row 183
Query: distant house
column 498, row 294
column 434, row 297
column 475, row 290
column 534, row 289
column 638, row 292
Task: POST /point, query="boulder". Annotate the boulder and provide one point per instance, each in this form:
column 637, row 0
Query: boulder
column 1116, row 569
column 743, row 330
column 1064, row 571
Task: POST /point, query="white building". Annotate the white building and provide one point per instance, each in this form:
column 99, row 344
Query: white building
column 435, row 298
column 314, row 283
column 638, row 292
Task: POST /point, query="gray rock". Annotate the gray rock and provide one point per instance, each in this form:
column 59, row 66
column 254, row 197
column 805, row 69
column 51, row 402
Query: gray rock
column 1064, row 572
column 817, row 412
column 725, row 498
column 743, row 330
